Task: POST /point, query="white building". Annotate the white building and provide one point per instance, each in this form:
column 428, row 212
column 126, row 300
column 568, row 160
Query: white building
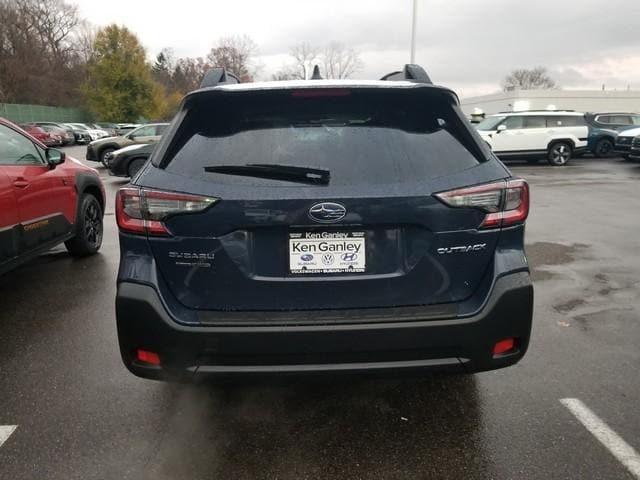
column 578, row 100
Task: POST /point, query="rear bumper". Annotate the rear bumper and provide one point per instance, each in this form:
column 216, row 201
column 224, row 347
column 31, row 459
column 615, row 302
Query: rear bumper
column 461, row 344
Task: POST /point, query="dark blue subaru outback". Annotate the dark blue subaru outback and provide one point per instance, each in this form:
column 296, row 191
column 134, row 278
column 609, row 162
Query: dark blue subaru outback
column 322, row 226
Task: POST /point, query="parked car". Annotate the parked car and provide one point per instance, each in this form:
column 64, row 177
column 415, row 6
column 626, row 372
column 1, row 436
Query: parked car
column 634, row 152
column 532, row 135
column 624, row 140
column 82, row 136
column 60, row 200
column 40, row 134
column 94, row 133
column 110, row 128
column 65, row 131
column 98, row 150
column 127, row 161
column 124, row 128
column 59, row 134
column 325, row 226
column 604, row 128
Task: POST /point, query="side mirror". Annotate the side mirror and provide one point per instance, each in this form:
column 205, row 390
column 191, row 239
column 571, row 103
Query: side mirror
column 55, row 157
column 501, row 128
column 131, row 136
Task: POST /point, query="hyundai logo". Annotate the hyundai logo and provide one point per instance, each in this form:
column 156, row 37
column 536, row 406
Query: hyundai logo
column 327, row 212
column 349, row 257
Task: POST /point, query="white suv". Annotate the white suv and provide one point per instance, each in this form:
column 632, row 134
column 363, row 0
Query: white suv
column 558, row 135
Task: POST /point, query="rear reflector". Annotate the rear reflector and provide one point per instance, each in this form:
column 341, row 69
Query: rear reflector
column 143, row 211
column 504, row 346
column 505, row 202
column 151, row 358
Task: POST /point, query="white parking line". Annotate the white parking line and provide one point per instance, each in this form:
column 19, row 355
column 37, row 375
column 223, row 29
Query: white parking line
column 610, row 439
column 5, row 432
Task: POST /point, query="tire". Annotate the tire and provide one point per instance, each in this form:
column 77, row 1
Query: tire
column 135, row 165
column 89, row 228
column 103, row 154
column 559, row 153
column 604, row 148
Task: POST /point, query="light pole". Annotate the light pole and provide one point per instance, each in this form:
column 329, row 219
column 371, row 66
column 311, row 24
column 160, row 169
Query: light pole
column 413, row 31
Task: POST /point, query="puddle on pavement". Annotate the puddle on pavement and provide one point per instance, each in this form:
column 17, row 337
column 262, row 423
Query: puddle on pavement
column 549, row 253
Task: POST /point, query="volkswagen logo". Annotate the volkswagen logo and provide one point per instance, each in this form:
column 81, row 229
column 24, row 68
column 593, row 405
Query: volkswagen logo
column 327, row 212
column 327, row 258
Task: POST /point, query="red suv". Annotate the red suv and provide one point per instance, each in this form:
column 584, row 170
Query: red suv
column 45, row 198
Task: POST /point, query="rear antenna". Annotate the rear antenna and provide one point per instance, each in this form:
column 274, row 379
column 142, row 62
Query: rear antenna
column 316, row 73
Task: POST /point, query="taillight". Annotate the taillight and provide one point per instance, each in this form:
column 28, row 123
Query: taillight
column 141, row 210
column 505, row 202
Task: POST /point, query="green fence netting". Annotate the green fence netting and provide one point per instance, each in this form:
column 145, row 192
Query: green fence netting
column 19, row 113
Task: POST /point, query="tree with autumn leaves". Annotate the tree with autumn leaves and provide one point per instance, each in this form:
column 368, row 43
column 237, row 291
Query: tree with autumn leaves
column 121, row 86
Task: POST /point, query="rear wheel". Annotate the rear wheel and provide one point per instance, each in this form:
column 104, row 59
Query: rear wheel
column 559, row 154
column 89, row 228
column 604, row 148
column 135, row 165
column 104, row 153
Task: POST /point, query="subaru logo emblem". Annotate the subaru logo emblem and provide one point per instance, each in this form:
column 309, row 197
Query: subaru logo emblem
column 327, row 212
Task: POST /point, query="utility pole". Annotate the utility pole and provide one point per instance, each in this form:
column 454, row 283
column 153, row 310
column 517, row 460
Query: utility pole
column 413, row 31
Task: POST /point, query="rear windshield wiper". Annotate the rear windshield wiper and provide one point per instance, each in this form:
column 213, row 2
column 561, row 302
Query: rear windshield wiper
column 287, row 173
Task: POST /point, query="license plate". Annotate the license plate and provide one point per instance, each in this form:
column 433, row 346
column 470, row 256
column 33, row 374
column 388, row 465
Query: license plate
column 327, row 252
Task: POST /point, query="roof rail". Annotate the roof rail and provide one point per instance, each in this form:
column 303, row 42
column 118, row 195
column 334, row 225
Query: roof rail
column 541, row 111
column 218, row 76
column 411, row 72
column 316, row 73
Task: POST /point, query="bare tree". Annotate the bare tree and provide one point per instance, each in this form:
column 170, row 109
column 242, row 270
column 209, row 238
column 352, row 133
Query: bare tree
column 53, row 21
column 188, row 73
column 529, row 79
column 305, row 56
column 236, row 54
column 287, row 72
column 340, row 61
column 335, row 59
column 85, row 37
column 39, row 59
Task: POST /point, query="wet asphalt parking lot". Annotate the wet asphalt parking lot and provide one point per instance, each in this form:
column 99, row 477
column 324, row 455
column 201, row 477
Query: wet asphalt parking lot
column 70, row 410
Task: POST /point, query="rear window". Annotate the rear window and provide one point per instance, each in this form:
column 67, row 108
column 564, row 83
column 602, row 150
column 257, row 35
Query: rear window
column 620, row 120
column 361, row 138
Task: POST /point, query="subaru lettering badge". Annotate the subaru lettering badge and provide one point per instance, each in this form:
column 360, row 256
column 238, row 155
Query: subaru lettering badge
column 327, row 212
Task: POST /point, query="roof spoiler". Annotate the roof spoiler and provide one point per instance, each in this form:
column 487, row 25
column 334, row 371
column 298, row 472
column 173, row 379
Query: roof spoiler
column 411, row 72
column 218, row 76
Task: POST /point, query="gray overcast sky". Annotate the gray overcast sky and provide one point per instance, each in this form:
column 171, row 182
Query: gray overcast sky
column 469, row 45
